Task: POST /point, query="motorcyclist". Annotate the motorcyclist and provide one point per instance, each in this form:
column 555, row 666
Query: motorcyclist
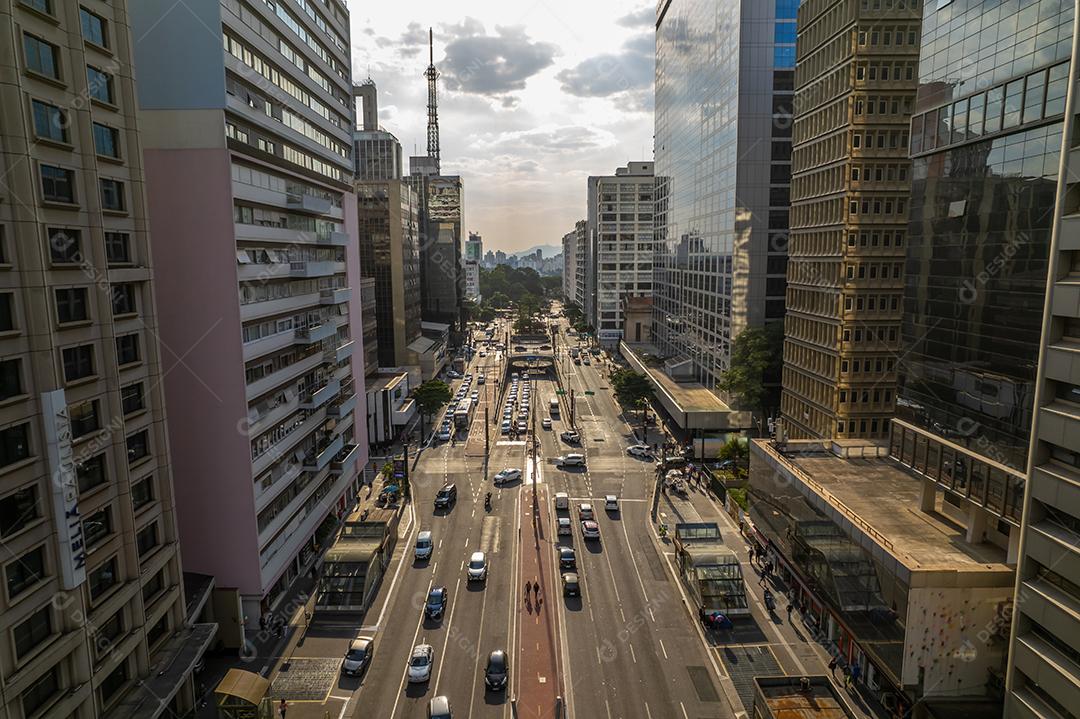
column 487, row 501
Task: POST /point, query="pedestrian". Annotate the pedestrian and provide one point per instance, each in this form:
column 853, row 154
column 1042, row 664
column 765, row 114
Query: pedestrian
column 832, row 666
column 282, row 708
column 536, row 588
column 847, row 677
column 753, row 551
column 790, row 608
column 527, row 586
column 856, row 670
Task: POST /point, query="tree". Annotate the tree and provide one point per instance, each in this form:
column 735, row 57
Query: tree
column 632, row 390
column 757, row 359
column 573, row 313
column 430, row 397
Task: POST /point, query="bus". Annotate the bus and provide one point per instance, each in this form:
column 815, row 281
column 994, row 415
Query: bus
column 463, row 414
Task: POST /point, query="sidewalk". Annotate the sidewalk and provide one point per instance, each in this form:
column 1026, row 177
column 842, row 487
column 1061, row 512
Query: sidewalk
column 776, row 638
column 537, row 661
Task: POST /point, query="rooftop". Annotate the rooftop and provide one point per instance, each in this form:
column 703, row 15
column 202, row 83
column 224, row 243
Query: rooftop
column 786, row 698
column 384, row 380
column 882, row 498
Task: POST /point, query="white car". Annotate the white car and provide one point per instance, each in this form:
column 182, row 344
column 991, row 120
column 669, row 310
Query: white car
column 475, row 395
column 444, row 434
column 481, row 379
column 590, row 530
column 420, row 663
column 611, row 503
column 505, row 428
column 522, row 427
column 564, row 527
column 571, row 460
column 570, row 437
column 477, row 567
column 507, row 475
column 453, row 374
column 639, row 450
column 585, row 511
column 546, row 423
column 425, row 543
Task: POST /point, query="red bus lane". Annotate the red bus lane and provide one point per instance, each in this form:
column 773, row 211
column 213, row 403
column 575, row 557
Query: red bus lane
column 538, row 658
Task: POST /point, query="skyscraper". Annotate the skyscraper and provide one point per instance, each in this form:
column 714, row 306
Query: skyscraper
column 93, row 616
column 474, row 252
column 569, row 253
column 248, row 140
column 850, row 184
column 376, row 152
column 619, row 223
column 724, row 76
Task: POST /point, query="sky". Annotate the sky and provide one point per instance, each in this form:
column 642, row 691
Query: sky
column 533, row 98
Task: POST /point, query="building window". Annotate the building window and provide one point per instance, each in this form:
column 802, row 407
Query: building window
column 50, row 122
column 131, row 398
column 18, row 510
column 138, row 446
column 14, row 444
column 123, row 299
column 41, row 57
column 24, row 572
column 112, row 195
column 57, row 184
column 157, row 632
column 93, row 28
column 106, row 140
column 78, row 362
column 114, row 683
column 147, row 540
column 7, row 312
column 108, row 634
column 44, row 6
column 154, row 587
column 32, row 632
column 84, row 418
column 99, row 85
column 71, row 305
column 102, row 579
column 64, row 246
column 142, row 493
column 91, row 473
column 118, row 248
column 127, row 349
column 38, row 695
column 97, row 527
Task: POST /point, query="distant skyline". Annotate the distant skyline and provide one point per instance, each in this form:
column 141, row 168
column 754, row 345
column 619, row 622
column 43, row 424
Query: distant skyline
column 532, row 100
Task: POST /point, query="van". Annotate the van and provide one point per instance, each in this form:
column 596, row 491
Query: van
column 553, row 406
column 562, row 501
column 424, row 545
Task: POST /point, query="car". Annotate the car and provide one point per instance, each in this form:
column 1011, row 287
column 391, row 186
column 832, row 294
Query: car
column 504, row 428
column 452, row 374
column 570, row 437
column 446, row 496
column 425, row 545
column 567, row 558
column 590, row 530
column 562, row 501
column 564, row 526
column 444, row 434
column 420, row 663
column 570, row 585
column 483, row 353
column 475, row 395
column 497, row 671
column 586, row 361
column 439, row 708
column 478, row 567
column 508, row 413
column 507, row 475
column 435, row 606
column 546, row 423
column 577, row 360
column 570, row 460
column 523, row 414
column 358, row 656
column 481, row 379
column 611, row 503
column 521, row 426
column 585, row 511
column 639, row 450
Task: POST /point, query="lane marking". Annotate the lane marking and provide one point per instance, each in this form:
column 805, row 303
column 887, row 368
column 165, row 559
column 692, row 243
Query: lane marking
column 662, row 649
column 449, row 626
column 405, row 674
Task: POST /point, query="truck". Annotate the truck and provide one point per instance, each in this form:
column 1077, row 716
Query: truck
column 463, row 414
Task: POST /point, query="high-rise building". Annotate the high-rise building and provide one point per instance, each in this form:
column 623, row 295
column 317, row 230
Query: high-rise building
column 388, row 221
column 93, row 616
column 985, row 146
column 442, row 275
column 569, row 253
column 489, row 259
column 619, row 223
column 1043, row 678
column 849, row 193
column 376, row 152
column 500, row 257
column 581, row 262
column 724, row 78
column 474, row 252
column 248, row 136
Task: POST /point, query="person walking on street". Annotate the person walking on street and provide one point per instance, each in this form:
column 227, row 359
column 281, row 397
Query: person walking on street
column 790, row 608
column 855, row 671
column 832, row 666
column 282, row 708
column 847, row 677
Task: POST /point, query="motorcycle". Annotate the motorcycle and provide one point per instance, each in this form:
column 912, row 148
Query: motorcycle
column 487, row 502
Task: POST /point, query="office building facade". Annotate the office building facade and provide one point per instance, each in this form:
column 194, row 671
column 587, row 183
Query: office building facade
column 376, row 152
column 474, row 254
column 581, row 262
column 619, row 221
column 93, row 615
column 442, row 275
column 724, row 80
column 855, row 83
column 569, row 253
column 248, row 145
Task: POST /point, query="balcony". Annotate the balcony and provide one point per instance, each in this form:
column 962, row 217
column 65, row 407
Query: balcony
column 316, row 399
column 318, row 268
column 341, row 239
column 261, row 271
column 308, row 203
column 268, row 382
column 280, row 306
column 325, row 450
column 340, row 354
column 335, row 296
column 315, row 333
column 405, row 412
column 345, row 459
column 345, row 404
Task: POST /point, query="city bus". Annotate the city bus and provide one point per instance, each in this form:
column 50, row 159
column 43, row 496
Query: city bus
column 463, row 414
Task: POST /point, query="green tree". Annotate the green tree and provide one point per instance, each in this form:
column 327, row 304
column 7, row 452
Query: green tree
column 573, row 313
column 430, row 397
column 632, row 389
column 757, row 359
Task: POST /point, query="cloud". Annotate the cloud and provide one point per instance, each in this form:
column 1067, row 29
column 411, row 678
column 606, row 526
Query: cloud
column 630, row 71
column 562, row 139
column 496, row 64
column 643, row 17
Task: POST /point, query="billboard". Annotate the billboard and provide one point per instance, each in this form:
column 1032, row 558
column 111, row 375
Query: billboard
column 71, row 550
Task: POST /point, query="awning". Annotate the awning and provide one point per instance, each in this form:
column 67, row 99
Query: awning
column 243, row 685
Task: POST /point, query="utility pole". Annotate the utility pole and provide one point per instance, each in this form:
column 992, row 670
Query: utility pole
column 571, row 408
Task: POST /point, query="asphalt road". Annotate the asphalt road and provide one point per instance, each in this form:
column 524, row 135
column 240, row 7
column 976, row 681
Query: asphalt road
column 628, row 646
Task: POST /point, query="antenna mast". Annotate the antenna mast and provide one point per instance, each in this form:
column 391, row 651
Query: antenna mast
column 432, row 76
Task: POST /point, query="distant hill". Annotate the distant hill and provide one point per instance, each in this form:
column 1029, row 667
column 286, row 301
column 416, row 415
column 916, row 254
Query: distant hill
column 547, row 250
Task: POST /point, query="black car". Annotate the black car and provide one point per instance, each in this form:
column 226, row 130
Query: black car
column 436, row 603
column 497, row 670
column 567, row 558
column 446, row 496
